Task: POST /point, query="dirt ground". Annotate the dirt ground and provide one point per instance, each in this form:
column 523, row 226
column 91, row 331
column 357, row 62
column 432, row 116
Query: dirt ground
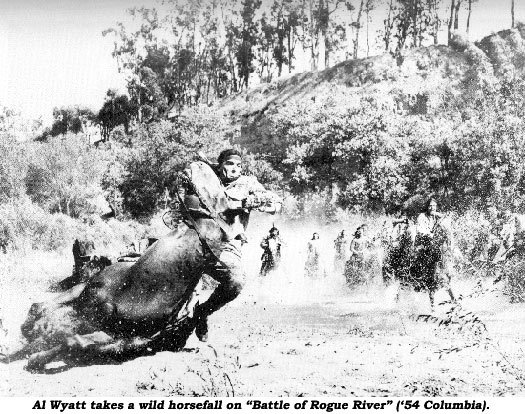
column 290, row 336
column 343, row 343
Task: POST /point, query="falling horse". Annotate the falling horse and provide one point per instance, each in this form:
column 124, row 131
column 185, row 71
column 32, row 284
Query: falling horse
column 130, row 308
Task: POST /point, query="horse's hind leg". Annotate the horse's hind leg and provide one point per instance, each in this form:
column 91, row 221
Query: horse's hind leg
column 451, row 294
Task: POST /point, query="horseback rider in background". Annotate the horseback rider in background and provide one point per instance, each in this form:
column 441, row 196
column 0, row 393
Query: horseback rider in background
column 271, row 256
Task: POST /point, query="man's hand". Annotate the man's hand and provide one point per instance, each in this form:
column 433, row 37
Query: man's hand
column 252, row 201
column 263, row 201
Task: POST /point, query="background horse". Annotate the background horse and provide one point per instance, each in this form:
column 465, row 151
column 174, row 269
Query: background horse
column 426, row 267
column 271, row 255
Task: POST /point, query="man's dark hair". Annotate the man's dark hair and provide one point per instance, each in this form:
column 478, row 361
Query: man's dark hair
column 427, row 204
column 224, row 155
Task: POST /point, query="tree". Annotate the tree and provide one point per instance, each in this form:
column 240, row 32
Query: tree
column 64, row 174
column 280, row 30
column 412, row 22
column 116, row 110
column 357, row 26
column 456, row 14
column 291, row 28
column 279, row 20
column 388, row 24
column 162, row 149
column 248, row 39
column 469, row 6
column 72, row 119
column 318, row 22
column 12, row 123
column 453, row 22
column 333, row 31
column 451, row 18
column 267, row 50
column 513, row 22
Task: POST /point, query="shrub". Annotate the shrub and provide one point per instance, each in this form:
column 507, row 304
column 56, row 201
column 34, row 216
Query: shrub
column 25, row 225
column 160, row 150
column 64, row 174
column 13, row 168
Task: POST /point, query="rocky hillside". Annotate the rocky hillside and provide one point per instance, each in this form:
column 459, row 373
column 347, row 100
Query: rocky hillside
column 413, row 84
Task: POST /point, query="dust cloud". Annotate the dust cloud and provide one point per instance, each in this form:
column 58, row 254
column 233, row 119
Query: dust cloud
column 288, row 284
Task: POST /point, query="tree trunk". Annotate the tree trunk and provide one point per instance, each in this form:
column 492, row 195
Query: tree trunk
column 415, row 30
column 280, row 40
column 314, row 56
column 314, row 52
column 232, row 70
column 327, row 49
column 450, row 20
column 388, row 27
column 512, row 14
column 456, row 15
column 357, row 28
column 468, row 17
column 289, row 43
column 436, row 22
column 367, row 26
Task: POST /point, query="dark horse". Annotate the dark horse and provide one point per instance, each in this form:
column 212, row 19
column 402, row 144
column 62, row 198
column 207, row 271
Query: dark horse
column 271, row 255
column 126, row 308
column 425, row 267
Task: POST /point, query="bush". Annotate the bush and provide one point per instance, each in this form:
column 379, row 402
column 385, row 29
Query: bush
column 13, row 168
column 514, row 286
column 24, row 225
column 160, row 150
column 64, row 174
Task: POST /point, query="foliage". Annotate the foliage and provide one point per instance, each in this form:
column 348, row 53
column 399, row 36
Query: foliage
column 261, row 168
column 410, row 22
column 26, row 225
column 70, row 119
column 13, row 168
column 13, row 124
column 63, row 175
column 116, row 110
column 349, row 151
column 160, row 150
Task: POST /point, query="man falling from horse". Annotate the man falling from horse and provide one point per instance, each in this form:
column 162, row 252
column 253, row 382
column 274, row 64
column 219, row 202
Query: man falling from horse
column 226, row 196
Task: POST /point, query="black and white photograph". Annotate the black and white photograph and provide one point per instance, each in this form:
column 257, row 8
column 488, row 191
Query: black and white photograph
column 290, row 199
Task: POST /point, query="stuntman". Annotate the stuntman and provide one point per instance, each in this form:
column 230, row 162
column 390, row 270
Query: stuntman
column 271, row 246
column 230, row 208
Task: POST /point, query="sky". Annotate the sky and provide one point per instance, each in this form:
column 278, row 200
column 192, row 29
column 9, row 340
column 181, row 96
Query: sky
column 53, row 54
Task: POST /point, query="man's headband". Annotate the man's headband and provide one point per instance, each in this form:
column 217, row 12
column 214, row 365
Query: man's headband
column 227, row 154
